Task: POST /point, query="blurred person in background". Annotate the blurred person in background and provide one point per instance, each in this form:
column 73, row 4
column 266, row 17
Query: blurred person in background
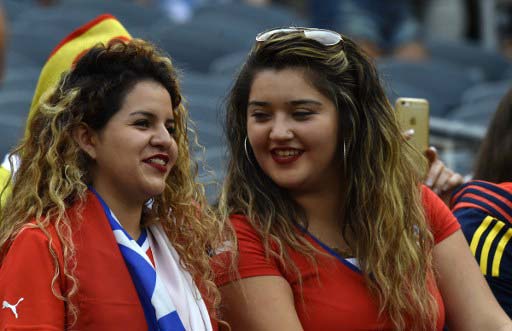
column 181, row 11
column 45, row 3
column 494, row 160
column 504, row 18
column 382, row 27
column 334, row 230
column 483, row 206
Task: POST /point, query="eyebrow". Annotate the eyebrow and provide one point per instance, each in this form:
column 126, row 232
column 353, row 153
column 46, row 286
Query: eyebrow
column 150, row 115
column 305, row 102
column 299, row 102
column 258, row 103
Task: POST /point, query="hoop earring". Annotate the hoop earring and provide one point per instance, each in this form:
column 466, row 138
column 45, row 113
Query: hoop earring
column 344, row 153
column 247, row 152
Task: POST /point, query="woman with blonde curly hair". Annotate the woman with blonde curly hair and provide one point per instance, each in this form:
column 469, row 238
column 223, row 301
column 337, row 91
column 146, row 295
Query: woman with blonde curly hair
column 105, row 227
column 334, row 230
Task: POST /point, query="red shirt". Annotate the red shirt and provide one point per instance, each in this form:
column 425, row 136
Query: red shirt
column 106, row 297
column 336, row 297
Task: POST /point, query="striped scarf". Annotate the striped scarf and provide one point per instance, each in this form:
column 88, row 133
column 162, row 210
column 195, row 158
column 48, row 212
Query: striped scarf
column 159, row 309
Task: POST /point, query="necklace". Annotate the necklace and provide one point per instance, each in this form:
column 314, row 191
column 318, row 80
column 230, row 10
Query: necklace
column 343, row 253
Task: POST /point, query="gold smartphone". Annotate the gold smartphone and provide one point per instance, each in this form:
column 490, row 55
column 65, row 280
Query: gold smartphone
column 413, row 113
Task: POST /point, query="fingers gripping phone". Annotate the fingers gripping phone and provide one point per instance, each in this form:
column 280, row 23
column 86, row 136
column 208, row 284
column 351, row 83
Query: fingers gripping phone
column 413, row 113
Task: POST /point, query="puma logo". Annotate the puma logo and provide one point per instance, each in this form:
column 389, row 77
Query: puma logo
column 6, row 304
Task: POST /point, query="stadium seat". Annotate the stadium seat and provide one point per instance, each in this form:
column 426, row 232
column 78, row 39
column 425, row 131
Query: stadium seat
column 443, row 82
column 470, row 57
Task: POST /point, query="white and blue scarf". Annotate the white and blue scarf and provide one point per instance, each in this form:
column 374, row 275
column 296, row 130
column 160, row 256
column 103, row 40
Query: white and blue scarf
column 169, row 296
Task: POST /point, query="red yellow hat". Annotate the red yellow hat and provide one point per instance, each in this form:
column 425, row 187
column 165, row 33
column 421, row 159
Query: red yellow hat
column 102, row 29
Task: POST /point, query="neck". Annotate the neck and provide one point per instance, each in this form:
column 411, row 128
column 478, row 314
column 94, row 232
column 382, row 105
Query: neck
column 324, row 205
column 324, row 213
column 127, row 212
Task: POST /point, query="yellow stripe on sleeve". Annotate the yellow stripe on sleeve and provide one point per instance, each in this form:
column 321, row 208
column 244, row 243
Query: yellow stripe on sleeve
column 499, row 253
column 484, row 257
column 478, row 233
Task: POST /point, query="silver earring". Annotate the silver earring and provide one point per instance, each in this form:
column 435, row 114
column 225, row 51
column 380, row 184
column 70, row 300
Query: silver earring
column 247, row 152
column 345, row 153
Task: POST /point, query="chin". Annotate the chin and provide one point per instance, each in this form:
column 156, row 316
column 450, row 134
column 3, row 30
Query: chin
column 289, row 184
column 154, row 190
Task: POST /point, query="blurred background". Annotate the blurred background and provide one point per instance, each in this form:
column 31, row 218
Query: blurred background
column 455, row 53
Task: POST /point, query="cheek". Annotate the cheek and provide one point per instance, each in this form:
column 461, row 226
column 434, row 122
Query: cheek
column 325, row 132
column 173, row 153
column 130, row 145
column 333, row 144
column 257, row 137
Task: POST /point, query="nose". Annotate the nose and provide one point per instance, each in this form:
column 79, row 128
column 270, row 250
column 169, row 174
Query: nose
column 281, row 129
column 161, row 138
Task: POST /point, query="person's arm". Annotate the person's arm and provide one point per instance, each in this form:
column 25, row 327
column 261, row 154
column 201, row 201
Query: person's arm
column 262, row 303
column 470, row 304
column 26, row 273
column 257, row 297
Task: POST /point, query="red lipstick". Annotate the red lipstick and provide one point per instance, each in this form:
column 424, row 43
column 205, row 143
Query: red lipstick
column 158, row 161
column 285, row 155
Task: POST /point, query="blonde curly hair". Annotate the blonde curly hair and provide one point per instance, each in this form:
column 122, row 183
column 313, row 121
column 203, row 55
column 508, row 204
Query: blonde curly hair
column 53, row 172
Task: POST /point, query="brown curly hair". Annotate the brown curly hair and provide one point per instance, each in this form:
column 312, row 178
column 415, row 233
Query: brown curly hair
column 54, row 174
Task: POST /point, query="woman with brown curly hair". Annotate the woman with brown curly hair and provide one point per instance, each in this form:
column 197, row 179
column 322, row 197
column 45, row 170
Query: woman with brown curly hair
column 334, row 230
column 105, row 227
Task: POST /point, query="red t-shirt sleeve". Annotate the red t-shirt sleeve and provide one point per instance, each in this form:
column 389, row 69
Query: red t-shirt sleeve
column 26, row 274
column 251, row 260
column 441, row 220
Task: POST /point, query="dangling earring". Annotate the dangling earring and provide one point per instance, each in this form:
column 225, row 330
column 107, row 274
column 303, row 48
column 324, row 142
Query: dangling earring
column 344, row 153
column 247, row 152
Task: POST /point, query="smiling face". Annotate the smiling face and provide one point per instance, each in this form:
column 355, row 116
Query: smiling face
column 293, row 131
column 136, row 150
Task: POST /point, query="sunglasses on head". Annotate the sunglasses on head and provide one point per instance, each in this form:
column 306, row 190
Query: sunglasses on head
column 324, row 37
